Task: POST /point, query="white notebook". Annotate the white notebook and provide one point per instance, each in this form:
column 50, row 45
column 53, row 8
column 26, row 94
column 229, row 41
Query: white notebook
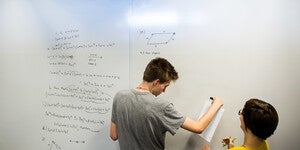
column 208, row 133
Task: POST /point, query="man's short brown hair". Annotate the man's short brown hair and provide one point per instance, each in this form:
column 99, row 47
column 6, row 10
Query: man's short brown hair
column 160, row 68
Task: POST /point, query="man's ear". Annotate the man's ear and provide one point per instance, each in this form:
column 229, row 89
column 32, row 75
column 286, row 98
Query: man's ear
column 155, row 82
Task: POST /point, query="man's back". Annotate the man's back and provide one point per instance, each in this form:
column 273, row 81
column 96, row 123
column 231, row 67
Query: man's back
column 143, row 119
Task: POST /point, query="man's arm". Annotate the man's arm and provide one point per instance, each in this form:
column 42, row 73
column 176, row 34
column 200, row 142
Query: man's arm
column 199, row 125
column 113, row 131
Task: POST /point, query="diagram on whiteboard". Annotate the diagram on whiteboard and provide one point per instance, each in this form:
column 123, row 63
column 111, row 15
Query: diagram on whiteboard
column 160, row 38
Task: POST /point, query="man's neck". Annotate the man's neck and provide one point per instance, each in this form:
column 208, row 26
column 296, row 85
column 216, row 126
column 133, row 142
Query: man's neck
column 144, row 87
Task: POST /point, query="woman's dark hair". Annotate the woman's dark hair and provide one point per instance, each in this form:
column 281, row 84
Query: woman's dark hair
column 260, row 117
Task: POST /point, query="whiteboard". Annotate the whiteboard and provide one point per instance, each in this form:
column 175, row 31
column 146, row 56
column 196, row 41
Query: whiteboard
column 61, row 62
column 235, row 50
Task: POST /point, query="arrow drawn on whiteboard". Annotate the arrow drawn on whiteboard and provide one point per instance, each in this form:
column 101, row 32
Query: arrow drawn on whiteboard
column 54, row 146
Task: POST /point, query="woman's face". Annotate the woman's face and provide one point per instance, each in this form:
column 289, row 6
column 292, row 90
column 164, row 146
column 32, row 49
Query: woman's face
column 243, row 127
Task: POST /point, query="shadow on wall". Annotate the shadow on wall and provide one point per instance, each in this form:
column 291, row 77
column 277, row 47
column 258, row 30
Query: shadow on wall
column 195, row 142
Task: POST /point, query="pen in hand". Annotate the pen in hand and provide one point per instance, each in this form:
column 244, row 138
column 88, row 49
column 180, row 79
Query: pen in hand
column 228, row 142
column 216, row 100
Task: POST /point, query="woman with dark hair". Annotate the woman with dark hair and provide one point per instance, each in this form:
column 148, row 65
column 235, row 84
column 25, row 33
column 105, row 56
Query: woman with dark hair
column 259, row 120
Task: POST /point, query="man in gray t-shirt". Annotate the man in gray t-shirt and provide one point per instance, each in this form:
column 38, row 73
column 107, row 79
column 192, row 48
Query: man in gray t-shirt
column 143, row 119
column 140, row 119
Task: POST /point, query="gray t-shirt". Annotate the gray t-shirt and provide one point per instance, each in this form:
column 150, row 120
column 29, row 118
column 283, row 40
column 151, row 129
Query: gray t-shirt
column 143, row 119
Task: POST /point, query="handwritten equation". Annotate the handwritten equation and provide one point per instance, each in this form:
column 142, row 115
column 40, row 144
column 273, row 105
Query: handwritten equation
column 87, row 109
column 72, row 46
column 74, row 73
column 80, row 90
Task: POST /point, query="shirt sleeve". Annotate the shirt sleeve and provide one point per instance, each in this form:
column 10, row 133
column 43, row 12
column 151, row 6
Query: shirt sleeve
column 172, row 119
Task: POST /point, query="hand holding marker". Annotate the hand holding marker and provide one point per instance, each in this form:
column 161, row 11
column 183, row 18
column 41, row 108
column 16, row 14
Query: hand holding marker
column 229, row 142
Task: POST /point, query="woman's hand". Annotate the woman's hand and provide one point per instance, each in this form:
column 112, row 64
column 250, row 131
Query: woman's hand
column 229, row 142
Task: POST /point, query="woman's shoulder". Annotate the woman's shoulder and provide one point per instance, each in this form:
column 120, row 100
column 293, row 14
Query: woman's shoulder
column 263, row 146
column 238, row 148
